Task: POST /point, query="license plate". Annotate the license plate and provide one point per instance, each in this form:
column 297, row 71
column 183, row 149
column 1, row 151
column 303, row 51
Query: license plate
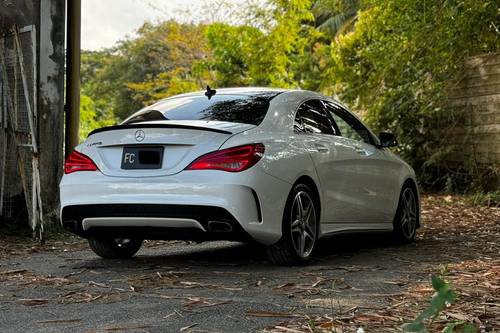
column 142, row 157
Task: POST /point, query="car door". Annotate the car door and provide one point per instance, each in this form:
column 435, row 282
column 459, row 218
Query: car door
column 320, row 135
column 361, row 183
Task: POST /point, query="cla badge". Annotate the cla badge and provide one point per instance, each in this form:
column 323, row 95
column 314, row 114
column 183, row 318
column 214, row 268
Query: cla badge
column 140, row 135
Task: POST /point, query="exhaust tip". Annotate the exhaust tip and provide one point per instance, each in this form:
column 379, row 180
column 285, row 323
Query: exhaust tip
column 70, row 225
column 219, row 226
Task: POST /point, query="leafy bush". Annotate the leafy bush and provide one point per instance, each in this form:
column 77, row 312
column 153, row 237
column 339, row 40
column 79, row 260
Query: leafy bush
column 396, row 65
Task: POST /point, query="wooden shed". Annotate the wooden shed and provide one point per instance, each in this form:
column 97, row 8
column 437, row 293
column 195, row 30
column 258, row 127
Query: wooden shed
column 32, row 68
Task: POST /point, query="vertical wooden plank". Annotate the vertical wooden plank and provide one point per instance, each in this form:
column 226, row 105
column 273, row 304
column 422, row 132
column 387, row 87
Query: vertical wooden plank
column 51, row 31
column 35, row 76
column 3, row 134
column 2, row 168
column 16, row 108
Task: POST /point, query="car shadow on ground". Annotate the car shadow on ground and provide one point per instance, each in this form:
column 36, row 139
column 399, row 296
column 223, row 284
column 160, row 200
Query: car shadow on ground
column 370, row 250
column 330, row 251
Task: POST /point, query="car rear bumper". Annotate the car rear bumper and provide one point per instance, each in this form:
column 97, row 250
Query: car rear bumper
column 176, row 207
column 153, row 221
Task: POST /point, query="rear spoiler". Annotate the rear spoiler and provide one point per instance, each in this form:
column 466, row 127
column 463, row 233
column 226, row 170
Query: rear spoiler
column 119, row 127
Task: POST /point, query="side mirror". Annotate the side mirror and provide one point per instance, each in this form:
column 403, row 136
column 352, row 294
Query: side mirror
column 387, row 140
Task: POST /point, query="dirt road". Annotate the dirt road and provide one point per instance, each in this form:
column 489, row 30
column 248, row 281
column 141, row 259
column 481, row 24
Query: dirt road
column 355, row 282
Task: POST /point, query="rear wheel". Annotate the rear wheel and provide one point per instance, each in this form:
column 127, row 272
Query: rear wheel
column 114, row 248
column 406, row 220
column 300, row 226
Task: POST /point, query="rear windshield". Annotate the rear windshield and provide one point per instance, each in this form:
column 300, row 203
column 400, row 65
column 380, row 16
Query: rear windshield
column 247, row 109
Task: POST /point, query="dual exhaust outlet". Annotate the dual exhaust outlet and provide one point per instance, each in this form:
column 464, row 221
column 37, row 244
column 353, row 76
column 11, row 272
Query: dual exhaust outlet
column 219, row 226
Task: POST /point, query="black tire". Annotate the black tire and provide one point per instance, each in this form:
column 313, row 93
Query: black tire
column 297, row 247
column 406, row 219
column 114, row 248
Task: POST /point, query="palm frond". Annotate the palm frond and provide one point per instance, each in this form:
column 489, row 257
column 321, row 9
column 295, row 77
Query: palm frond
column 338, row 23
column 335, row 16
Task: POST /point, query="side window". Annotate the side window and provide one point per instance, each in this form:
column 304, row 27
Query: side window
column 349, row 126
column 312, row 118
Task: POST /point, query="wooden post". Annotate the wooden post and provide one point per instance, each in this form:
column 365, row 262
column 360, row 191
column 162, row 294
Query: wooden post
column 73, row 75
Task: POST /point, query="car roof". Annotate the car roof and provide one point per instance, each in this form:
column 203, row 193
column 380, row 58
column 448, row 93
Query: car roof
column 246, row 91
column 249, row 91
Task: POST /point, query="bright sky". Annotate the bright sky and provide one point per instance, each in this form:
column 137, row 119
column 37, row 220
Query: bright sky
column 104, row 22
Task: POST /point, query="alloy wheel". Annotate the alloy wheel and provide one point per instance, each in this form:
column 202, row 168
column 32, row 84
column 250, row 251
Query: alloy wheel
column 408, row 213
column 303, row 228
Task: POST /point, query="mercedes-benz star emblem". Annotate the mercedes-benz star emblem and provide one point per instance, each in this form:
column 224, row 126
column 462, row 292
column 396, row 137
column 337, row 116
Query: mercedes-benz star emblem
column 140, row 135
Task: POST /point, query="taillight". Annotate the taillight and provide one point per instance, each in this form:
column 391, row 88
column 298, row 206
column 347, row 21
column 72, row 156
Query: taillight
column 78, row 162
column 234, row 159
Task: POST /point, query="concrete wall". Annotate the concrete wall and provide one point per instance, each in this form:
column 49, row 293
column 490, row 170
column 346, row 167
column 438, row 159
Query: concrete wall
column 476, row 102
column 48, row 16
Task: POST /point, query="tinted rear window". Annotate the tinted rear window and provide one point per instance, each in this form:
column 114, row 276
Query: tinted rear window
column 247, row 109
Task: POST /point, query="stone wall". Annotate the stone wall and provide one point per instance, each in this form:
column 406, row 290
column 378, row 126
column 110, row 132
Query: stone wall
column 475, row 99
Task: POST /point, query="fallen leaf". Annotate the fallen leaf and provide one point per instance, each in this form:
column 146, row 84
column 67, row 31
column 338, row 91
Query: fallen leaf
column 100, row 285
column 285, row 285
column 14, row 271
column 33, row 301
column 59, row 321
column 125, row 328
column 286, row 329
column 254, row 313
column 187, row 327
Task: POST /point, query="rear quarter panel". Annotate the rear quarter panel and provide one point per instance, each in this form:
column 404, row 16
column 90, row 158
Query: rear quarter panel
column 286, row 155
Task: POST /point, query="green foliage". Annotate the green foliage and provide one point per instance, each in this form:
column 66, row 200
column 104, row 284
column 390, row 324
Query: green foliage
column 234, row 50
column 335, row 17
column 178, row 62
column 395, row 66
column 391, row 61
column 159, row 62
column 460, row 327
column 443, row 296
column 94, row 111
column 90, row 118
column 284, row 52
column 491, row 199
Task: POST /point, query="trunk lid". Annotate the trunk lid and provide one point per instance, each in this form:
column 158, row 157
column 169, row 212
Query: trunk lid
column 181, row 141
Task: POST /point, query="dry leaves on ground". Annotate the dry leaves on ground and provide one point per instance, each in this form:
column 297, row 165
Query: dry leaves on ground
column 459, row 239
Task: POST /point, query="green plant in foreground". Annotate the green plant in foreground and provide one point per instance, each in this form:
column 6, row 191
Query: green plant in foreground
column 490, row 199
column 443, row 296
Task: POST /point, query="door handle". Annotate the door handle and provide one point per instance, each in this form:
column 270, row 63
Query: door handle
column 321, row 147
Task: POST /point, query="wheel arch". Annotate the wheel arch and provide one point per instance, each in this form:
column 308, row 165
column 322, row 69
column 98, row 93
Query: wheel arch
column 306, row 180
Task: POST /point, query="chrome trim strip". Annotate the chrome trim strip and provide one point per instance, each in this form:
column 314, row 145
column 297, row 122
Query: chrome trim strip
column 161, row 222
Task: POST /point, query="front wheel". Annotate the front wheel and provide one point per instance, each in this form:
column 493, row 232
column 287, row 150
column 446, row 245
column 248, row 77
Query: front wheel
column 114, row 248
column 300, row 229
column 406, row 220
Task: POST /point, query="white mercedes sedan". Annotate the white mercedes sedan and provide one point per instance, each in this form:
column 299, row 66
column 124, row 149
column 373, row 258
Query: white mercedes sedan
column 282, row 168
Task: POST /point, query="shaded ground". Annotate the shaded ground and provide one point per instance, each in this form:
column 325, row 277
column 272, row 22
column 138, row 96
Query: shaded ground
column 356, row 281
